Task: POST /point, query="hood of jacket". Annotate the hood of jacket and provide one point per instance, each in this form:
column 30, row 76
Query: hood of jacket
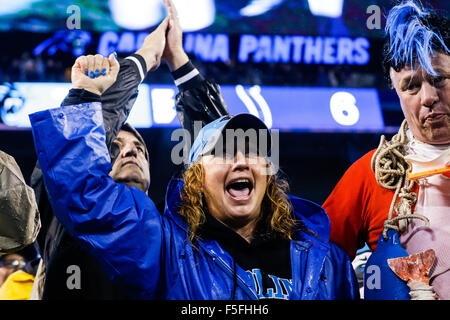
column 312, row 215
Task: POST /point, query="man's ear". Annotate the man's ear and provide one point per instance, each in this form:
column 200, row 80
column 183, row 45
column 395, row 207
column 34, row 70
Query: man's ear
column 391, row 82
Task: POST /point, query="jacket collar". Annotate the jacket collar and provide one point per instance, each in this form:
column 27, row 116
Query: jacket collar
column 313, row 216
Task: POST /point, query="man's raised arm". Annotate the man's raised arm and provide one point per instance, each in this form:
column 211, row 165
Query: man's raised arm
column 116, row 103
column 109, row 219
column 198, row 99
column 118, row 100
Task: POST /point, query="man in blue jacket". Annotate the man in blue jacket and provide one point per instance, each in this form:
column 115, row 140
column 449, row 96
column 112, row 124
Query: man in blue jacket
column 229, row 230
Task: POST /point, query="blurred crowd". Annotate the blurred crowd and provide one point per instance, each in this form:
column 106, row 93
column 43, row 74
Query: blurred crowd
column 279, row 74
column 29, row 68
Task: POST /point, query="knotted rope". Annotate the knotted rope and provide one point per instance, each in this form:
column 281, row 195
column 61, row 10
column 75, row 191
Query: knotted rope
column 390, row 167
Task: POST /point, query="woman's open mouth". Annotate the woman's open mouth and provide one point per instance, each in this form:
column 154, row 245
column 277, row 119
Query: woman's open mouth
column 240, row 189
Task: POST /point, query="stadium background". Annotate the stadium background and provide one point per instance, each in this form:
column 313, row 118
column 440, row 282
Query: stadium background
column 39, row 46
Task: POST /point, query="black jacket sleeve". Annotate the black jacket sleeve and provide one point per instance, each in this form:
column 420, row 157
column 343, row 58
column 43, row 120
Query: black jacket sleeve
column 198, row 99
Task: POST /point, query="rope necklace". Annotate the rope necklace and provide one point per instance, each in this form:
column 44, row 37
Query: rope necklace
column 390, row 166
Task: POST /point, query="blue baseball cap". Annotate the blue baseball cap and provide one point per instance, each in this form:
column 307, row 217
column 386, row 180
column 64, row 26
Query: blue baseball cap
column 210, row 134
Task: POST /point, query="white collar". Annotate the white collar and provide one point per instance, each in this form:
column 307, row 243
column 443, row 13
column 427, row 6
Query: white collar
column 423, row 151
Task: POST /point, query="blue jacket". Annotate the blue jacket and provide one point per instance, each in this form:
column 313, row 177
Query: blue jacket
column 148, row 254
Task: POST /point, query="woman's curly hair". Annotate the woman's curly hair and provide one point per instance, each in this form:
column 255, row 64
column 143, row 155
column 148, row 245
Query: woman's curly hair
column 276, row 208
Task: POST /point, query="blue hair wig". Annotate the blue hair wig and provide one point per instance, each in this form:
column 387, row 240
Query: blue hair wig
column 412, row 38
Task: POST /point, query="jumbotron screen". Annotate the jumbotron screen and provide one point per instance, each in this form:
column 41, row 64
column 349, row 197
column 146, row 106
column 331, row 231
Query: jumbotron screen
column 313, row 17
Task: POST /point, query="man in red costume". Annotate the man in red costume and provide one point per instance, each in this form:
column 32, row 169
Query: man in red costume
column 377, row 193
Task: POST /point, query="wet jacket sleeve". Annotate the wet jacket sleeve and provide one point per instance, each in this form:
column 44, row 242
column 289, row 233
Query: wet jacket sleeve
column 339, row 281
column 198, row 99
column 118, row 100
column 110, row 220
column 19, row 215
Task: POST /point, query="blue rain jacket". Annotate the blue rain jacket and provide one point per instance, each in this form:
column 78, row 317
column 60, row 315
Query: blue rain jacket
column 148, row 254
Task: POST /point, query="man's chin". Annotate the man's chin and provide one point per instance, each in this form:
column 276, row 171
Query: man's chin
column 131, row 173
column 439, row 136
column 132, row 180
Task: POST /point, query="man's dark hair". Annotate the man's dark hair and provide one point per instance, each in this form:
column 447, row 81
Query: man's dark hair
column 129, row 128
column 414, row 34
column 114, row 152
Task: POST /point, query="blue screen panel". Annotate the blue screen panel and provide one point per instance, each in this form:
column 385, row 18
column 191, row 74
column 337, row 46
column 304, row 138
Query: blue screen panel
column 284, row 108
